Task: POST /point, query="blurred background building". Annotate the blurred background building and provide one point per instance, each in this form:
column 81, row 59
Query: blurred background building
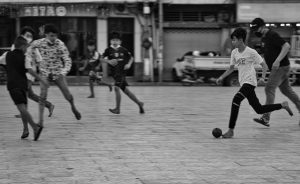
column 157, row 32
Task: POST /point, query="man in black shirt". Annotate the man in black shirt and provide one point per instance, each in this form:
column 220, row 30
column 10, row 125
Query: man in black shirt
column 17, row 84
column 120, row 60
column 275, row 51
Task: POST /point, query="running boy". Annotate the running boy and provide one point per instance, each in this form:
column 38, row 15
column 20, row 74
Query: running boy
column 120, row 60
column 245, row 58
column 17, row 84
column 54, row 66
column 93, row 63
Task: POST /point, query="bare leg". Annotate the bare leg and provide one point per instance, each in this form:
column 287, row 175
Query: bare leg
column 63, row 86
column 106, row 84
column 118, row 101
column 37, row 99
column 25, row 133
column 26, row 118
column 134, row 98
column 91, row 84
column 44, row 92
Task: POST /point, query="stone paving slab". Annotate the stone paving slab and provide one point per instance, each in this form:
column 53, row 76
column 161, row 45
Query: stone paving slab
column 170, row 144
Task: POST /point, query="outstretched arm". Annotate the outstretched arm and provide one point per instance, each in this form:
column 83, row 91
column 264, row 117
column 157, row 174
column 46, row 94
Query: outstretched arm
column 225, row 74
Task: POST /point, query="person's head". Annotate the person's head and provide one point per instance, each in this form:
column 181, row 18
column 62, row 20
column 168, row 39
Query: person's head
column 91, row 46
column 51, row 32
column 21, row 43
column 258, row 26
column 238, row 37
column 196, row 53
column 115, row 39
column 27, row 32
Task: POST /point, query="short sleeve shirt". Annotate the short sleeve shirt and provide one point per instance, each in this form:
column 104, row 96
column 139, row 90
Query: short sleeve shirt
column 122, row 55
column 245, row 63
column 16, row 70
column 272, row 45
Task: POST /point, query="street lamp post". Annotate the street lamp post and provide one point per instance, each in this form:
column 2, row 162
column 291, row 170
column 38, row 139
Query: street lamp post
column 160, row 42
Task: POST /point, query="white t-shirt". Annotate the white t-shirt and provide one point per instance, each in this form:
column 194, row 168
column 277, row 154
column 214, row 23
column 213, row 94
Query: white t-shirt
column 245, row 62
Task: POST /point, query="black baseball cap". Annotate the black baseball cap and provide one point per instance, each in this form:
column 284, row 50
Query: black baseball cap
column 256, row 23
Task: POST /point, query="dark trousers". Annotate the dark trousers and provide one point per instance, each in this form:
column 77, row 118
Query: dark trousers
column 247, row 91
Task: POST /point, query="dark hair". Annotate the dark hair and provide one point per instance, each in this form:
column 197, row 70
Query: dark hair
column 115, row 35
column 26, row 29
column 91, row 43
column 20, row 41
column 256, row 23
column 51, row 28
column 239, row 33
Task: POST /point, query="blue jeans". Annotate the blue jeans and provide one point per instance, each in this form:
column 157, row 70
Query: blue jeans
column 280, row 78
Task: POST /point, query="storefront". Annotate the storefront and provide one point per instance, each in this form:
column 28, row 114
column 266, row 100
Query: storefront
column 79, row 22
column 202, row 27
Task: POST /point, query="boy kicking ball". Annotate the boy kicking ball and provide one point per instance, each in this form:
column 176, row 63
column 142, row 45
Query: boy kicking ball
column 17, row 84
column 245, row 58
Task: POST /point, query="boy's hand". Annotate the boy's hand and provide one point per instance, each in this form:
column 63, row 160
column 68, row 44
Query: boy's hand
column 81, row 69
column 113, row 62
column 97, row 68
column 127, row 66
column 275, row 65
column 219, row 81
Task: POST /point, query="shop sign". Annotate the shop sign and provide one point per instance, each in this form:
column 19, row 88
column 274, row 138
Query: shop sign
column 270, row 12
column 35, row 11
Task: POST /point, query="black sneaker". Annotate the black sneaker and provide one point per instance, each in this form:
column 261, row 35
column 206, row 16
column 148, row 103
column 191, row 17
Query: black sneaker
column 262, row 121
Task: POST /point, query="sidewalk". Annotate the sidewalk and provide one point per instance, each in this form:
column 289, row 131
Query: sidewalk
column 170, row 144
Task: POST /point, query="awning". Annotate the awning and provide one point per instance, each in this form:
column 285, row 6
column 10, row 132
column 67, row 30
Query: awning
column 198, row 1
column 117, row 1
column 68, row 1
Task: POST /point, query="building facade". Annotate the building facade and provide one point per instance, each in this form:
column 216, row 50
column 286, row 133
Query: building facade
column 187, row 25
column 80, row 21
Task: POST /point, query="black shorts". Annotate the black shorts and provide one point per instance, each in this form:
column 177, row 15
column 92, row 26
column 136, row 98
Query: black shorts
column 19, row 96
column 121, row 82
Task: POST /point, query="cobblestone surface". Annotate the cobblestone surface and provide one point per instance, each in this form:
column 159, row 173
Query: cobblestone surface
column 170, row 144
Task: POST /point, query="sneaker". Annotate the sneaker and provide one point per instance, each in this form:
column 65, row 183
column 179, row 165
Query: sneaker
column 110, row 88
column 25, row 135
column 37, row 133
column 228, row 134
column 114, row 111
column 141, row 107
column 91, row 96
column 285, row 105
column 262, row 121
column 51, row 108
column 76, row 113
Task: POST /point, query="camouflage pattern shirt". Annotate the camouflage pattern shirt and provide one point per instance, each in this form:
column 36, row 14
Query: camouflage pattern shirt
column 55, row 57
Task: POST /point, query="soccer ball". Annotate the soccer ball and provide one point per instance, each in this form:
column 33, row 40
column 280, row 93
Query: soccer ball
column 217, row 132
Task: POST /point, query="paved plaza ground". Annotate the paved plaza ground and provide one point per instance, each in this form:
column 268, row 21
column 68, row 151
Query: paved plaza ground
column 170, row 144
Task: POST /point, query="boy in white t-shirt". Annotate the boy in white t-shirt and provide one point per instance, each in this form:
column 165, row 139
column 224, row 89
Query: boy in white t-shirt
column 245, row 58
